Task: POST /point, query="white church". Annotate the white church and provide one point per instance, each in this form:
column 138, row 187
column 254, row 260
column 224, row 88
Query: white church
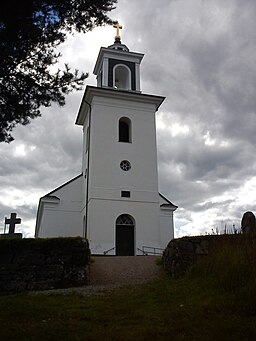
column 114, row 202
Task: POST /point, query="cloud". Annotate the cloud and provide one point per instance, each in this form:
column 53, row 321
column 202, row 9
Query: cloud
column 201, row 55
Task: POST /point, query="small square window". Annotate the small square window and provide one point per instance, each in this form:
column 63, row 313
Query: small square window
column 125, row 194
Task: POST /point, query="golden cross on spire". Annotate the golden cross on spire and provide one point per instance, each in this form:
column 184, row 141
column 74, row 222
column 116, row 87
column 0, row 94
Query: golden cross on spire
column 118, row 27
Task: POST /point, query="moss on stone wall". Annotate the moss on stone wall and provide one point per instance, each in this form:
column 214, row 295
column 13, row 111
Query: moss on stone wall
column 181, row 253
column 43, row 263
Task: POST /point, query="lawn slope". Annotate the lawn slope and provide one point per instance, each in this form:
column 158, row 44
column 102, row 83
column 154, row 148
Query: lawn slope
column 215, row 301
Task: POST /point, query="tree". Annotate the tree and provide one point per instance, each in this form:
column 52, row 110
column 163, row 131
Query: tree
column 30, row 31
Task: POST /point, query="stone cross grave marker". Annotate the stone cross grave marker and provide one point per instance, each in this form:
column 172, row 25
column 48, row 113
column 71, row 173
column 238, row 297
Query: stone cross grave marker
column 12, row 221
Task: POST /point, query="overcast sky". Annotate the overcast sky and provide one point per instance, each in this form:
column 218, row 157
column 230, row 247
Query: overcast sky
column 201, row 55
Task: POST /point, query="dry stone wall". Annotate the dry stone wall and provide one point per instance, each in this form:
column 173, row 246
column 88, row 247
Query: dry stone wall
column 182, row 252
column 40, row 264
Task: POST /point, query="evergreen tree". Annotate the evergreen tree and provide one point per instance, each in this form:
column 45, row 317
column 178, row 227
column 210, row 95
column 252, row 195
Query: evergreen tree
column 30, row 31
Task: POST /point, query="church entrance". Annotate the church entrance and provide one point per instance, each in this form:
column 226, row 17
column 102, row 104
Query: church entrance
column 124, row 235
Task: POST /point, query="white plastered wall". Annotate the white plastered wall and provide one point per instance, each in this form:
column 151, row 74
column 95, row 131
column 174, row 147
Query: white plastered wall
column 60, row 213
column 102, row 220
column 107, row 179
column 166, row 224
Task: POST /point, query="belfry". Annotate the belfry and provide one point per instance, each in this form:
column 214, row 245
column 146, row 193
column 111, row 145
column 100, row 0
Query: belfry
column 115, row 202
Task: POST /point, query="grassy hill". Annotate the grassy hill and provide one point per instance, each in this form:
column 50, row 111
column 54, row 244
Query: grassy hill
column 215, row 300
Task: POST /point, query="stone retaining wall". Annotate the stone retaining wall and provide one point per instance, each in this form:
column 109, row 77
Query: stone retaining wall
column 182, row 252
column 39, row 264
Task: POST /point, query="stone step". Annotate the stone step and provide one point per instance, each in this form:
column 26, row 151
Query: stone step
column 122, row 270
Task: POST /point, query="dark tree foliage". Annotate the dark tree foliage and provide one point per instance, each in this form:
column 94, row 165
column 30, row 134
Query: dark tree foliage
column 30, row 31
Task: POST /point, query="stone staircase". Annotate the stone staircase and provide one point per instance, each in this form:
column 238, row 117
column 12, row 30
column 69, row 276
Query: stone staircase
column 123, row 270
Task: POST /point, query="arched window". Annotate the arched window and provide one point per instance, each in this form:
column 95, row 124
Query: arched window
column 125, row 130
column 122, row 77
column 125, row 219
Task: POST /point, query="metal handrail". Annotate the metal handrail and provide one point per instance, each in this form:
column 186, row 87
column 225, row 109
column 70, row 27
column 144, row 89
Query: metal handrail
column 107, row 251
column 144, row 253
column 156, row 250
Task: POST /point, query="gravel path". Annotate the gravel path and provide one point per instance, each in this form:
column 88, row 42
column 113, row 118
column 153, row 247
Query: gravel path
column 124, row 270
column 112, row 272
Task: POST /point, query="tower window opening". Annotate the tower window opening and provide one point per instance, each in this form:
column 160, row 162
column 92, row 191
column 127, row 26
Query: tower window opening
column 125, row 130
column 122, row 77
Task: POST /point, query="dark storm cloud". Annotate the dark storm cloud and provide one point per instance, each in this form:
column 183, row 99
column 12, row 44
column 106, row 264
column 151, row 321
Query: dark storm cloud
column 52, row 149
column 209, row 79
column 3, row 213
column 25, row 212
column 201, row 55
column 226, row 67
column 44, row 155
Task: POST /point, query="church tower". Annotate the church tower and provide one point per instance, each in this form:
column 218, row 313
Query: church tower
column 115, row 201
column 120, row 180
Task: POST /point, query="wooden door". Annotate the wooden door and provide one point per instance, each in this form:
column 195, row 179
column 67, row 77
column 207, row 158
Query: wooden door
column 124, row 240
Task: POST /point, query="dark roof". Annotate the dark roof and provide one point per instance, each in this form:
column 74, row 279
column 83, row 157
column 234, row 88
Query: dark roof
column 169, row 202
column 51, row 196
column 63, row 185
column 90, row 91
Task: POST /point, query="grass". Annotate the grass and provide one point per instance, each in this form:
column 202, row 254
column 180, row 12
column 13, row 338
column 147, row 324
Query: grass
column 215, row 301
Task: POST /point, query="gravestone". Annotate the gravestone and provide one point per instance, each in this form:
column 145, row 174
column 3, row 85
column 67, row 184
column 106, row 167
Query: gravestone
column 12, row 221
column 248, row 223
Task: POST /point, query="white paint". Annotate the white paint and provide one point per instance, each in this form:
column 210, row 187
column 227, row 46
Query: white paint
column 101, row 69
column 59, row 213
column 70, row 210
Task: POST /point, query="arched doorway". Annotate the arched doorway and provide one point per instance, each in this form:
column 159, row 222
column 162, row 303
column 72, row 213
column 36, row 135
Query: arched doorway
column 125, row 235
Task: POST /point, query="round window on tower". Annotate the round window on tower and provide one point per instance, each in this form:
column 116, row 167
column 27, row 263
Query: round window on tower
column 125, row 165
